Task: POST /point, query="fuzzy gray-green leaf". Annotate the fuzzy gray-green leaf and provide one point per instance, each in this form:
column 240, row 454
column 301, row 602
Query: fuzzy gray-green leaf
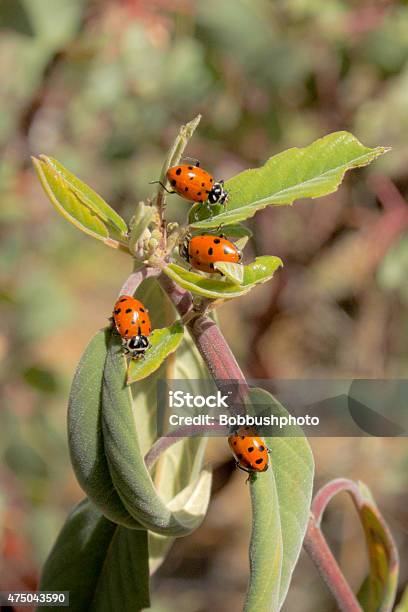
column 85, row 437
column 103, row 566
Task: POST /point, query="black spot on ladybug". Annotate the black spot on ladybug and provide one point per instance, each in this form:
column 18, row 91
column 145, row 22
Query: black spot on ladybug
column 197, row 252
column 126, row 331
column 141, row 309
column 178, row 171
column 128, row 310
column 191, row 178
column 250, row 449
column 242, row 437
column 190, row 168
column 198, row 193
column 118, row 310
column 211, row 179
column 235, row 443
column 174, row 182
column 210, row 251
column 259, row 461
column 143, row 321
column 212, row 266
column 185, row 188
column 139, row 331
column 217, row 241
column 240, row 456
column 262, row 448
column 202, row 184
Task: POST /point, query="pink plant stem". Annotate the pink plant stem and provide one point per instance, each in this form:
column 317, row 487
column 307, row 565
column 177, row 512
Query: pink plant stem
column 136, row 278
column 327, row 566
column 210, row 342
column 165, row 442
column 317, row 548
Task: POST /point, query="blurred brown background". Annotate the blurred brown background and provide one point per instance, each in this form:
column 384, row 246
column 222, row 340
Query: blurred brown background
column 103, row 86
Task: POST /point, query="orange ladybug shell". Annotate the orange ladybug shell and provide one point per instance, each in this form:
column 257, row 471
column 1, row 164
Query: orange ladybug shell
column 190, row 182
column 131, row 318
column 250, row 452
column 204, row 251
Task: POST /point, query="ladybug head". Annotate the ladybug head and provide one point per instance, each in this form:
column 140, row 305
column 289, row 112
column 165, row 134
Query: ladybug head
column 137, row 345
column 218, row 195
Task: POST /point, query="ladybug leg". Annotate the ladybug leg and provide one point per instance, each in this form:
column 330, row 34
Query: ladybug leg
column 251, row 475
column 161, row 185
column 240, row 467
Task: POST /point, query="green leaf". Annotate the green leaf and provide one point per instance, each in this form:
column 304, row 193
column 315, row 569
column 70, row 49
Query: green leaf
column 235, row 230
column 379, row 590
column 281, row 499
column 309, row 172
column 102, row 565
column 233, row 271
column 259, row 271
column 79, row 204
column 126, row 465
column 85, row 437
column 124, row 579
column 163, row 342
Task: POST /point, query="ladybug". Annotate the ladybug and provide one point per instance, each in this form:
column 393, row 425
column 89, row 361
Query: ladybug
column 250, row 451
column 202, row 252
column 132, row 322
column 195, row 184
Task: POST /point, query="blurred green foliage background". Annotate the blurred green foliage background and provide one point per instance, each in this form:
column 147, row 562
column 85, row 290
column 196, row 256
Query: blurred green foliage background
column 103, row 86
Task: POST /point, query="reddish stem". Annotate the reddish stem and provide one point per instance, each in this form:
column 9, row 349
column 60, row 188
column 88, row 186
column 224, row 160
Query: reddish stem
column 211, row 344
column 136, row 278
column 327, row 566
column 326, row 494
column 209, row 340
column 162, row 444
